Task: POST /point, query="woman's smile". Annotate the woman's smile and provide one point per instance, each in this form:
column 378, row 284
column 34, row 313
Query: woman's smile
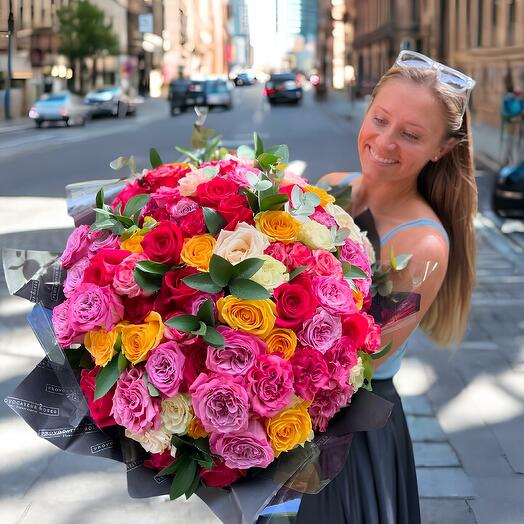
column 380, row 160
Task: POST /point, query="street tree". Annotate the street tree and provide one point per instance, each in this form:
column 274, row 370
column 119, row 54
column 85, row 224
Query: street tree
column 85, row 33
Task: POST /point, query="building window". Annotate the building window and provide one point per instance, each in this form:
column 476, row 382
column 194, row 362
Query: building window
column 511, row 23
column 481, row 23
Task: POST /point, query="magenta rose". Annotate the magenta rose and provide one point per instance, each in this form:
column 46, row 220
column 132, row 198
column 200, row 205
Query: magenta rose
column 295, row 302
column 334, row 294
column 75, row 276
column 269, row 384
column 133, row 406
column 92, row 307
column 326, row 264
column 277, row 250
column 238, row 354
column 323, row 217
column 372, row 341
column 159, row 461
column 182, row 207
column 310, row 372
column 299, row 255
column 327, row 402
column 102, row 239
column 340, row 359
column 321, row 331
column 64, row 332
column 100, row 410
column 124, row 282
column 356, row 327
column 211, row 193
column 130, row 190
column 243, row 450
column 165, row 366
column 355, row 255
column 220, row 402
column 220, row 476
column 77, row 247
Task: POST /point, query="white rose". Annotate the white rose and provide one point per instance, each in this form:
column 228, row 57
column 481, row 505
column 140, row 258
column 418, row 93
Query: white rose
column 244, row 242
column 177, row 413
column 316, row 236
column 187, row 185
column 356, row 375
column 271, row 274
column 369, row 249
column 344, row 219
column 152, row 441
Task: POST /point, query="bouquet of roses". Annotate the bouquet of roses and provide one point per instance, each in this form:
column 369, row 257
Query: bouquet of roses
column 214, row 312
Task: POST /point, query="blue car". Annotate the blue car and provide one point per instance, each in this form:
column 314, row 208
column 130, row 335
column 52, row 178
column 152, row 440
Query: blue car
column 63, row 107
column 508, row 194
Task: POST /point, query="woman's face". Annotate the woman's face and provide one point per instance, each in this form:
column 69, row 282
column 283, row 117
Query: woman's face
column 403, row 130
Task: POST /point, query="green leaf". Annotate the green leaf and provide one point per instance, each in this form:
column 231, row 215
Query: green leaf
column 273, row 201
column 154, row 158
column 248, row 290
column 147, row 281
column 172, row 468
column 194, row 486
column 211, row 148
column 259, row 146
column 248, row 267
column 152, row 390
column 297, row 271
column 206, row 463
column 106, row 378
column 220, row 270
column 266, row 160
column 392, row 259
column 202, row 329
column 189, row 154
column 206, row 313
column 369, row 369
column 202, row 282
column 102, row 214
column 214, row 221
column 354, row 272
column 155, row 268
column 245, row 152
column 102, row 226
column 185, row 323
column 402, row 261
column 342, row 194
column 122, row 362
column 184, row 478
column 100, row 199
column 135, row 204
column 126, row 222
column 252, row 200
column 281, row 151
column 214, row 338
column 202, row 444
column 383, row 351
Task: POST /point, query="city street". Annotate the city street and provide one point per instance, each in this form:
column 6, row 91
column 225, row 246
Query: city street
column 465, row 406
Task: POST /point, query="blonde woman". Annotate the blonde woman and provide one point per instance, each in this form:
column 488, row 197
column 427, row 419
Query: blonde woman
column 418, row 182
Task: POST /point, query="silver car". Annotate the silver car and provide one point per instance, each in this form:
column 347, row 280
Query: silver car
column 110, row 100
column 218, row 94
column 59, row 107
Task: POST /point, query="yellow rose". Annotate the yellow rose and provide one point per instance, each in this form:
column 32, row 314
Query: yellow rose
column 282, row 341
column 289, row 428
column 139, row 339
column 195, row 429
column 254, row 316
column 101, row 345
column 278, row 225
column 358, row 297
column 316, row 236
column 271, row 274
column 325, row 197
column 197, row 251
column 133, row 243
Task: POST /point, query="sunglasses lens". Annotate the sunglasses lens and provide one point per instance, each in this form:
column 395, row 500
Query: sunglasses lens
column 413, row 60
column 453, row 79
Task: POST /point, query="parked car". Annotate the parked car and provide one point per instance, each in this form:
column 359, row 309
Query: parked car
column 283, row 87
column 178, row 90
column 245, row 78
column 218, row 94
column 508, row 193
column 110, row 100
column 59, row 107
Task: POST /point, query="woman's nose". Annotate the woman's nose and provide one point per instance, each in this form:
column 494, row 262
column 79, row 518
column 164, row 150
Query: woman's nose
column 387, row 141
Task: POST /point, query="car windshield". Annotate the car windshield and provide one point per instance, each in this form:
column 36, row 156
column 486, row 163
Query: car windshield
column 53, row 98
column 280, row 79
column 216, row 87
column 196, row 87
column 107, row 90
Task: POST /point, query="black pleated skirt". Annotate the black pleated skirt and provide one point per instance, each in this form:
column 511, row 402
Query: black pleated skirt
column 378, row 484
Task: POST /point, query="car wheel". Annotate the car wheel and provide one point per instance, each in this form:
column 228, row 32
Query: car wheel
column 38, row 123
column 121, row 110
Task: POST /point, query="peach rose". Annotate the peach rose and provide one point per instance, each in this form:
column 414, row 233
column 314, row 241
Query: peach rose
column 244, row 242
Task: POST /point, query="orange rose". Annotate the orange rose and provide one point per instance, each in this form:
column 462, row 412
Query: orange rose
column 278, row 225
column 282, row 341
column 133, row 243
column 139, row 339
column 101, row 345
column 197, row 251
column 195, row 429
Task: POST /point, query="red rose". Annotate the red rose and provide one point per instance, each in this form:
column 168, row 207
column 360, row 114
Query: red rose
column 211, row 193
column 166, row 175
column 160, row 214
column 220, row 475
column 195, row 363
column 174, row 293
column 226, row 167
column 234, row 210
column 372, row 342
column 99, row 409
column 192, row 224
column 310, row 371
column 102, row 266
column 137, row 308
column 164, row 243
column 299, row 255
column 295, row 302
column 159, row 461
column 355, row 327
column 129, row 191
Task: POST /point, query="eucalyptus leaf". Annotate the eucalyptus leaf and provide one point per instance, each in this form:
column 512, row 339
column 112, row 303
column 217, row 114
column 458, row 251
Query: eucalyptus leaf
column 185, row 323
column 202, row 282
column 152, row 390
column 263, row 185
column 280, row 151
column 354, row 272
column 119, row 163
column 106, row 378
column 214, row 221
column 214, row 338
column 245, row 152
column 311, row 199
column 189, row 154
column 248, row 290
column 296, row 196
column 402, row 261
column 248, row 267
column 154, row 158
column 220, row 270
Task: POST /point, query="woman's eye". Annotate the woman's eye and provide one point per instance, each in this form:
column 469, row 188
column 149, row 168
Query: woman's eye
column 410, row 136
column 379, row 121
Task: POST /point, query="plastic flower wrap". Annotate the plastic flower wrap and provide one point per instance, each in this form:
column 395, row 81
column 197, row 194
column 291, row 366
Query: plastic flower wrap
column 211, row 324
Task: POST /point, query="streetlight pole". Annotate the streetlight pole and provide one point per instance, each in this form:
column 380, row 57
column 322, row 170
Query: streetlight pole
column 10, row 31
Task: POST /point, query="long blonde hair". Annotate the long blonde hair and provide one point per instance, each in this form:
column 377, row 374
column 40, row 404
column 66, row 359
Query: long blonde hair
column 449, row 187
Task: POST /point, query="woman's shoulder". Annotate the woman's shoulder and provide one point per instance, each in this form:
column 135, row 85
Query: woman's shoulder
column 340, row 177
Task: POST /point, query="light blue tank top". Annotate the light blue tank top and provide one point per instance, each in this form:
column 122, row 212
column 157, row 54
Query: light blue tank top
column 390, row 367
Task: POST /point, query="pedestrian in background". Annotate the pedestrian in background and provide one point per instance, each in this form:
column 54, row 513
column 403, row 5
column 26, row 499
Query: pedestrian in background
column 512, row 123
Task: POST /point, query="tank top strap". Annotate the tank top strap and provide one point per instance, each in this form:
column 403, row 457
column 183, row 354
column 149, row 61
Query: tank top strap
column 350, row 177
column 415, row 223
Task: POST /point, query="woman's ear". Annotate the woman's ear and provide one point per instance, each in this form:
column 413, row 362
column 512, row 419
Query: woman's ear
column 446, row 147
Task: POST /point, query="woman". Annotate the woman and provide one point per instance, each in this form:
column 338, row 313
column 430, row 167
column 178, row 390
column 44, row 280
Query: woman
column 418, row 182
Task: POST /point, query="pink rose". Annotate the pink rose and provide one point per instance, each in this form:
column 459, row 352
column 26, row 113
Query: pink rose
column 277, row 250
column 243, row 450
column 321, row 331
column 194, row 302
column 334, row 294
column 310, row 371
column 92, row 307
column 124, row 282
column 77, row 247
column 239, row 354
column 181, row 208
column 165, row 366
column 239, row 175
column 133, row 406
column 356, row 255
column 220, row 402
column 75, row 276
column 64, row 332
column 372, row 341
column 326, row 264
column 340, row 359
column 323, row 217
column 299, row 255
column 269, row 384
column 327, row 402
column 102, row 239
